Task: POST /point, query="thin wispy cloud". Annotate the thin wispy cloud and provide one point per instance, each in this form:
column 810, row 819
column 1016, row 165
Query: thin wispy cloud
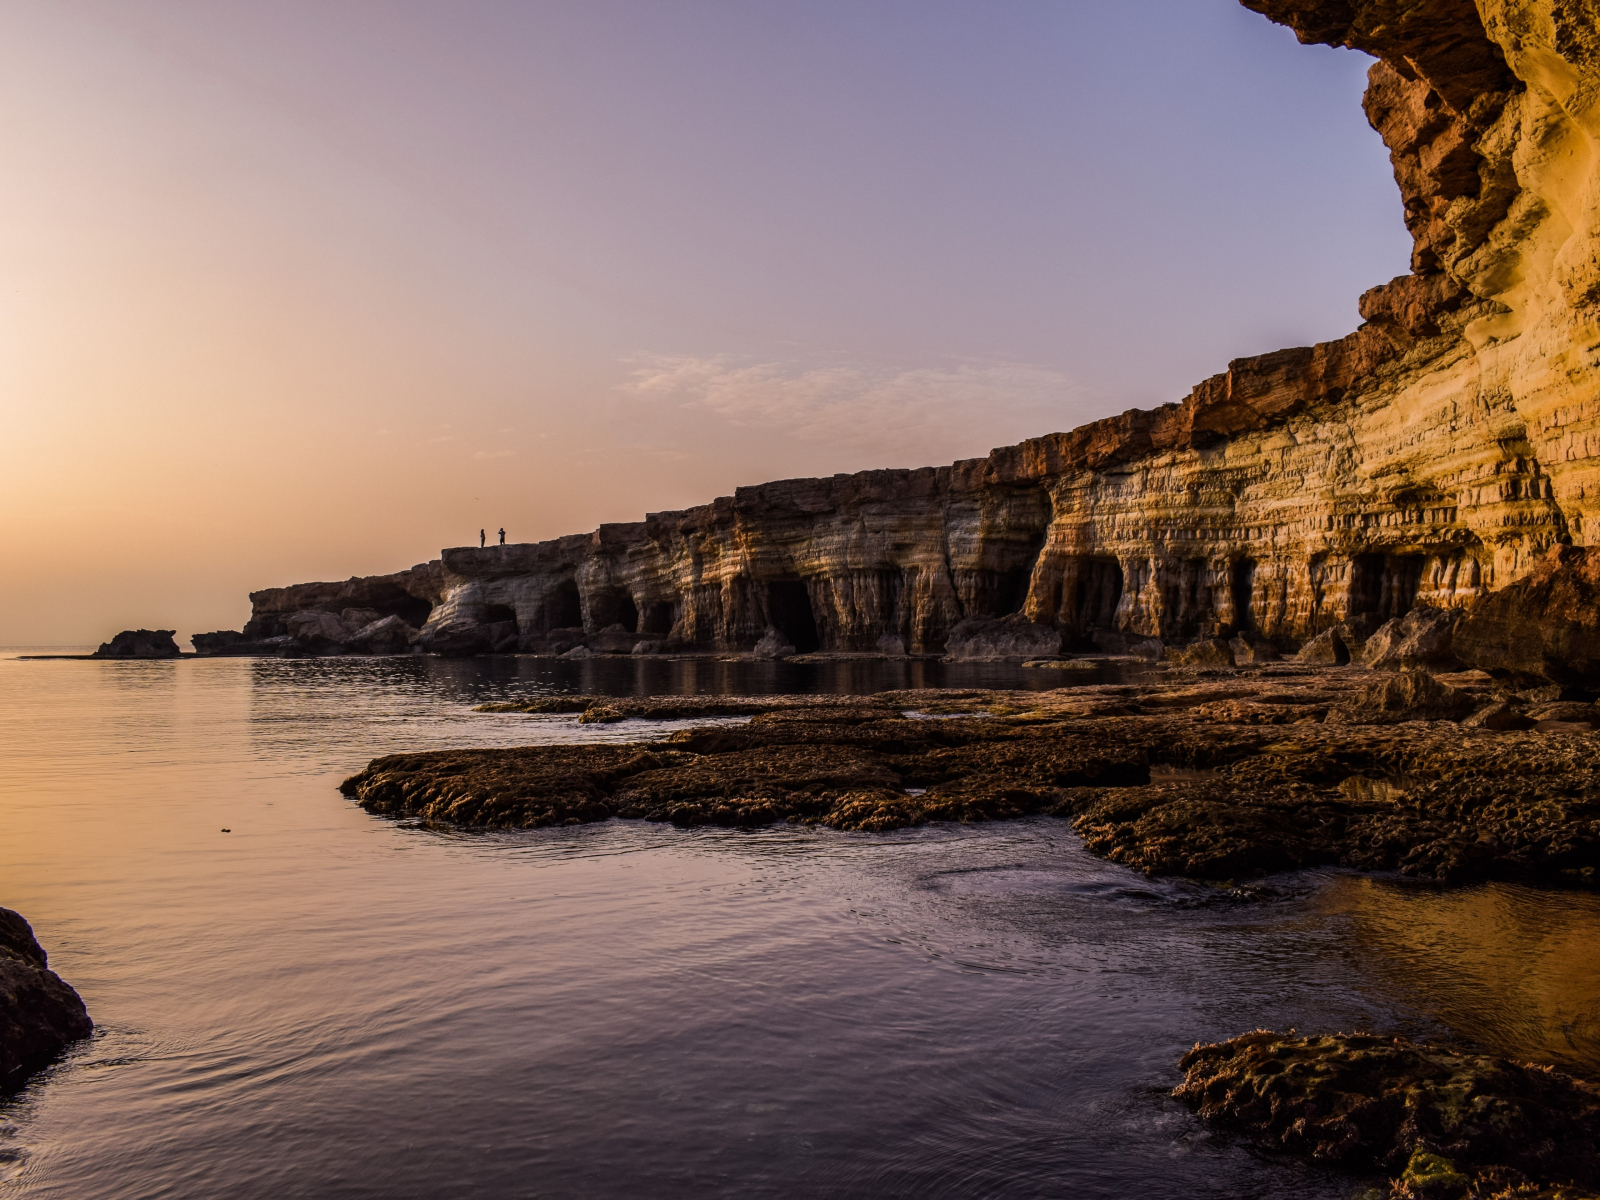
column 915, row 415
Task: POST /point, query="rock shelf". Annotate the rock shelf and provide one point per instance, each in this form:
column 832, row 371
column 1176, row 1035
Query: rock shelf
column 1286, row 767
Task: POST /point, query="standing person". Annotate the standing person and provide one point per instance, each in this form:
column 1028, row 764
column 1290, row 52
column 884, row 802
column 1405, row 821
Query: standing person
column 502, row 537
column 481, row 539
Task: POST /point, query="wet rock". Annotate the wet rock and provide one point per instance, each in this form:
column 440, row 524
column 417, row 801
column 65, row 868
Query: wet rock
column 892, row 645
column 39, row 1013
column 1544, row 626
column 1443, row 1123
column 578, row 652
column 1011, row 637
column 1326, row 649
column 1207, row 652
column 1421, row 638
column 1407, row 696
column 140, row 643
column 649, row 647
column 460, row 638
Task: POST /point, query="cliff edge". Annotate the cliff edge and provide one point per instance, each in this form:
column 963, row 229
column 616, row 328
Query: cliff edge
column 1433, row 456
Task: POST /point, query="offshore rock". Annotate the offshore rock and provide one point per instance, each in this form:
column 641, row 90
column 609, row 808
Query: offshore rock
column 39, row 1013
column 1545, row 626
column 1010, row 637
column 140, row 643
column 1443, row 1123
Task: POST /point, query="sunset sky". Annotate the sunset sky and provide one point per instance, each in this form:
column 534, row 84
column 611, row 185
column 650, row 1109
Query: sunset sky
column 302, row 290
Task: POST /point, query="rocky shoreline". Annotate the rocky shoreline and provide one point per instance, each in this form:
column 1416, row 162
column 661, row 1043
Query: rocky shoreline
column 1454, row 777
column 40, row 1014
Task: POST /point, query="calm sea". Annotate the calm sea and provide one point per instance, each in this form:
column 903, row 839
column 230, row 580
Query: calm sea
column 321, row 1003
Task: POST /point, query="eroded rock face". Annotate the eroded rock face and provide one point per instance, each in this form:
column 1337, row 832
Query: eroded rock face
column 39, row 1013
column 140, row 643
column 1428, row 459
column 1544, row 626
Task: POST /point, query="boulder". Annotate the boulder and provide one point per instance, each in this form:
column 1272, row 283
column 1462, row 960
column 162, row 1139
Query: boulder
column 1249, row 648
column 1545, row 626
column 1207, row 652
column 892, row 645
column 39, row 1013
column 1404, row 696
column 578, row 652
column 386, row 635
column 1355, row 629
column 1421, row 638
column 773, row 645
column 1109, row 641
column 551, row 641
column 991, row 638
column 318, row 632
column 613, row 639
column 1327, row 649
column 1150, row 648
column 140, row 643
column 649, row 647
column 460, row 638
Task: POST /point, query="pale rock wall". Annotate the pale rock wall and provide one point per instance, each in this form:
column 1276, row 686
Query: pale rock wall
column 1428, row 458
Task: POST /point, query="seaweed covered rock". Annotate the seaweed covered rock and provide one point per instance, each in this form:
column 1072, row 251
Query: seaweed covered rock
column 39, row 1013
column 1443, row 1123
column 140, row 643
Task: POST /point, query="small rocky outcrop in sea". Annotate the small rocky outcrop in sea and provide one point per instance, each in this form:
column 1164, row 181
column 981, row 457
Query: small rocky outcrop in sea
column 1443, row 1124
column 39, row 1013
column 140, row 643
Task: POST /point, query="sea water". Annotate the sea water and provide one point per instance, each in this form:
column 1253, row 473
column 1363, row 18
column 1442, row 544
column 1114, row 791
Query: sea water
column 294, row 998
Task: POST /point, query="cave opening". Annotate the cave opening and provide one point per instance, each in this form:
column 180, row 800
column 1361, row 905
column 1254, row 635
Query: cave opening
column 657, row 617
column 613, row 606
column 1385, row 585
column 789, row 610
column 498, row 612
column 1244, row 587
column 1186, row 599
column 1099, row 593
column 1011, row 590
column 562, row 608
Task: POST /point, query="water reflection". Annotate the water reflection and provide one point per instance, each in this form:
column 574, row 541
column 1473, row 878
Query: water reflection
column 1511, row 968
column 329, row 1004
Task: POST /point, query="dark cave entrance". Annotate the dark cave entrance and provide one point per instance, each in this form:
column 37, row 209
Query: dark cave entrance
column 1385, row 585
column 1186, row 599
column 1244, row 588
column 657, row 617
column 789, row 610
column 1099, row 593
column 1011, row 590
column 499, row 612
column 562, row 608
column 613, row 606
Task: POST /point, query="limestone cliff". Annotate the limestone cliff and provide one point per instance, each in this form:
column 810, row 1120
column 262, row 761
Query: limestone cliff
column 1430, row 457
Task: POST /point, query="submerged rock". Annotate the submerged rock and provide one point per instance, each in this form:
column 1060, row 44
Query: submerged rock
column 39, row 1013
column 1445, row 1124
column 140, row 643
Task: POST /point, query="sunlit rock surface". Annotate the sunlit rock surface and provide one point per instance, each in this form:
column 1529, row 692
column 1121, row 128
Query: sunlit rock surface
column 1429, row 458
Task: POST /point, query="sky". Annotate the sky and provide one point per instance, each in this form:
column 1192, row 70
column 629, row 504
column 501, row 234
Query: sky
column 314, row 288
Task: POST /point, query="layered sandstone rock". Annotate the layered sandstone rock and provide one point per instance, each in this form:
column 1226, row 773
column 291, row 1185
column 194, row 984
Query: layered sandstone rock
column 1429, row 458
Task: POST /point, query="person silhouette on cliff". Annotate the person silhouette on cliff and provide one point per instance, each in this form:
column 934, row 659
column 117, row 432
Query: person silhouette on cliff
column 502, row 537
column 481, row 539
